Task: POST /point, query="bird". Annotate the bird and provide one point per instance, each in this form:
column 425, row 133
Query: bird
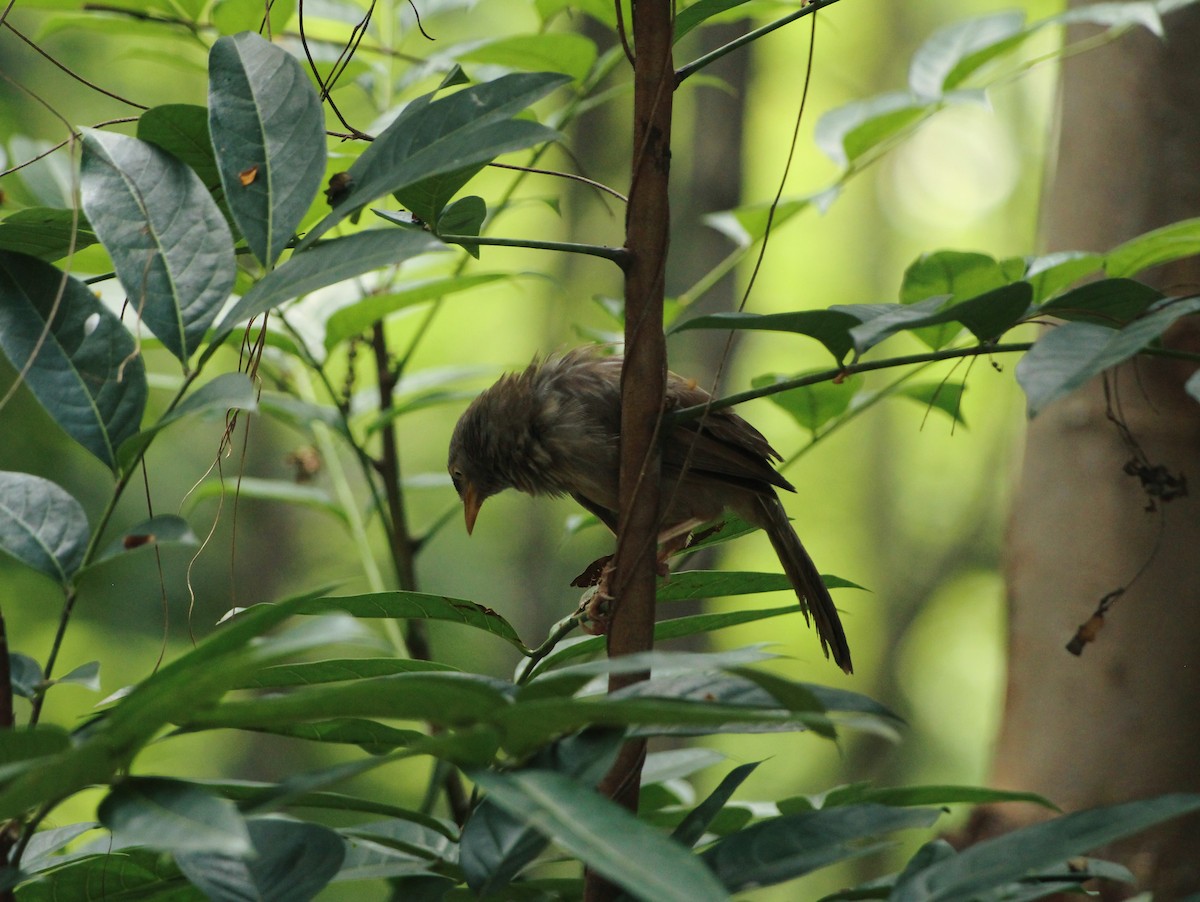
column 554, row 429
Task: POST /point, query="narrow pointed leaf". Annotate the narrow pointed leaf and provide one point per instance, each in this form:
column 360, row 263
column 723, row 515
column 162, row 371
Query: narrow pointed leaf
column 86, row 372
column 998, row 861
column 1172, row 242
column 434, row 137
column 268, row 133
column 1109, row 302
column 171, row 246
column 830, row 327
column 174, row 816
column 42, row 525
column 603, row 835
column 692, row 827
column 327, row 264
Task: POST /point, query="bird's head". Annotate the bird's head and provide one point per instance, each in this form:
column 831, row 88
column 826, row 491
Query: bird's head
column 474, row 478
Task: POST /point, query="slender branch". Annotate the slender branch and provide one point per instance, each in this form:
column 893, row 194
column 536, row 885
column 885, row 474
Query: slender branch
column 599, row 186
column 64, row 143
column 690, row 413
column 75, row 75
column 713, row 55
column 617, row 255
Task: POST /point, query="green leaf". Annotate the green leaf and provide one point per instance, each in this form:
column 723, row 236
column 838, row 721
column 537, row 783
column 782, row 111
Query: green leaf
column 327, row 264
column 910, row 796
column 944, row 396
column 86, row 372
column 292, row 862
column 1110, row 302
column 39, row 741
column 694, row 15
column 956, row 274
column 173, row 816
column 181, row 129
column 228, row 391
column 110, row 876
column 690, row 584
column 987, row 317
column 25, row 674
column 417, row 606
column 747, row 225
column 337, row 670
column 603, row 835
column 85, row 675
column 355, row 319
column 46, row 232
column 830, row 327
column 812, row 406
column 1051, row 273
column 995, row 862
column 1069, row 355
column 372, row 737
column 782, row 848
column 434, row 137
column 1172, row 242
column 235, row 16
column 42, row 525
column 464, row 217
column 850, row 131
column 692, row 827
column 281, row 491
column 171, row 247
column 564, row 51
column 167, row 529
column 953, row 52
column 268, row 132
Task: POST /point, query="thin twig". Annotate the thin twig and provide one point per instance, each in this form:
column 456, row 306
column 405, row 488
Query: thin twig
column 600, row 186
column 75, row 75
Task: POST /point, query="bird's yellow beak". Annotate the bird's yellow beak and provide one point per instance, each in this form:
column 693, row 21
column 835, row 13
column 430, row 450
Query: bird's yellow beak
column 471, row 504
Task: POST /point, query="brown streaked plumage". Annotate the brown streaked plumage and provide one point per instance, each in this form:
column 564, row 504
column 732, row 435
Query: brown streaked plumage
column 554, row 428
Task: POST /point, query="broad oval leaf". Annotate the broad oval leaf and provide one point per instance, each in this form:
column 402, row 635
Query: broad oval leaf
column 171, row 246
column 327, row 264
column 42, row 525
column 83, row 367
column 433, row 137
column 1172, row 242
column 174, row 816
column 268, row 133
column 951, row 53
column 564, row 51
column 848, row 132
column 812, row 406
column 181, row 129
column 292, row 862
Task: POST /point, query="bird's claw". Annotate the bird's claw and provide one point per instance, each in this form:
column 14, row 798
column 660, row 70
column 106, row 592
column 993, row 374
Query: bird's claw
column 595, row 611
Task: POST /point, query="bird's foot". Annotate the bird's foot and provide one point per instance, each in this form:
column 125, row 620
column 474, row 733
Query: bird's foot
column 596, row 606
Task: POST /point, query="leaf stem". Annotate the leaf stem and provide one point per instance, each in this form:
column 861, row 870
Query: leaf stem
column 617, row 255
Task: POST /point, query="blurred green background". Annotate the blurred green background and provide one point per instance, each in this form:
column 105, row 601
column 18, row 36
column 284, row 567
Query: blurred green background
column 901, row 501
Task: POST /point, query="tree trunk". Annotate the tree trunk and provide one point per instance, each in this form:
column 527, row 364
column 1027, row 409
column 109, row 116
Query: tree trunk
column 1122, row 721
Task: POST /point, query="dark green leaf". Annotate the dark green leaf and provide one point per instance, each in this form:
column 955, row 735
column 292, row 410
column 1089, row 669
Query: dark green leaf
column 327, row 264
column 433, row 137
column 112, row 875
column 84, row 368
column 173, row 816
column 910, row 796
column 998, row 861
column 46, row 232
column 25, row 675
column 372, row 737
column 692, row 827
column 1051, row 273
column 812, row 406
column 427, row 198
column 21, row 746
column 334, row 671
column 268, row 132
column 690, row 584
column 281, row 491
column 603, row 835
column 1109, row 302
column 956, row 274
column 830, row 327
column 181, row 129
column 1070, row 354
column 41, row 525
column 293, row 862
column 782, row 848
column 171, row 247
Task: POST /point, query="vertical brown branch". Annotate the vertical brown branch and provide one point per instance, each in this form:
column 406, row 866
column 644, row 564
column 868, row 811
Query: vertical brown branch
column 644, row 376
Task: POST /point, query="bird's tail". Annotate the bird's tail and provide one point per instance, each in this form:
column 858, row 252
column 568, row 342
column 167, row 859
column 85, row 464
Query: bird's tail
column 806, row 580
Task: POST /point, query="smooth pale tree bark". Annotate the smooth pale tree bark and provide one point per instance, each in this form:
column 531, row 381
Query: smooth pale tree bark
column 1122, row 721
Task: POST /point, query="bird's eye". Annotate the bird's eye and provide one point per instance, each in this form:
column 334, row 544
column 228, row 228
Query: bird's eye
column 456, row 477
